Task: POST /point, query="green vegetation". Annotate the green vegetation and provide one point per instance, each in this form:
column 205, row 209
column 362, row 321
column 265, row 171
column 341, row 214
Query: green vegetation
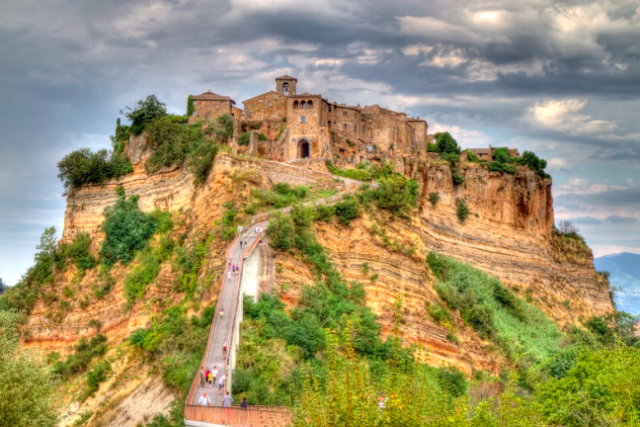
column 127, row 229
column 398, row 194
column 175, row 344
column 78, row 252
column 472, row 157
column 252, row 125
column 144, row 112
column 357, row 174
column 147, row 268
column 84, row 352
column 82, row 167
column 350, row 143
column 462, row 210
column 190, row 108
column 494, row 311
column 201, row 160
column 171, row 143
column 189, row 260
column 445, row 143
column 434, row 198
column 25, row 390
column 244, row 139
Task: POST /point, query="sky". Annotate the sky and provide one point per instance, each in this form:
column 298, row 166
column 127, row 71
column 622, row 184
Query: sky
column 561, row 79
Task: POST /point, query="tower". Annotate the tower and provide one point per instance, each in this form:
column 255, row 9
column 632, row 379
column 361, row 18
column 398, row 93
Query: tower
column 286, row 85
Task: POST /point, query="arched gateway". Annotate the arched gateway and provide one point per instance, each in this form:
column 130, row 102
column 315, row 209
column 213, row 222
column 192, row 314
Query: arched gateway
column 304, row 150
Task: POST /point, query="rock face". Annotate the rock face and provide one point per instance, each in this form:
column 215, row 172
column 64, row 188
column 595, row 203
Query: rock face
column 507, row 234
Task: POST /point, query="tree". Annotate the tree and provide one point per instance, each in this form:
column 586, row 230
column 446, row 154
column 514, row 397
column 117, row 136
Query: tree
column 398, row 193
column 190, row 107
column 83, row 167
column 143, row 113
column 446, row 143
column 24, row 388
column 2, row 286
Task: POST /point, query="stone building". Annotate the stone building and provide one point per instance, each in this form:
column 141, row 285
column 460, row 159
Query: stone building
column 210, row 105
column 319, row 128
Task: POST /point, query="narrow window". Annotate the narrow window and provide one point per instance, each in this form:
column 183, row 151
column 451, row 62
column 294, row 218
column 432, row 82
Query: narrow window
column 303, row 105
column 285, row 89
column 329, row 107
column 295, row 105
column 329, row 123
column 344, row 126
column 355, row 129
column 269, row 103
column 221, row 103
column 344, row 113
column 303, row 119
column 309, row 105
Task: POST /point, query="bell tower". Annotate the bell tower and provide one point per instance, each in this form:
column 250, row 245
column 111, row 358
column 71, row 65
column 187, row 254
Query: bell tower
column 286, row 85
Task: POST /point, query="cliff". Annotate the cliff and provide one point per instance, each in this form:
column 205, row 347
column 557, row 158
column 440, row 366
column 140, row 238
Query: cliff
column 507, row 234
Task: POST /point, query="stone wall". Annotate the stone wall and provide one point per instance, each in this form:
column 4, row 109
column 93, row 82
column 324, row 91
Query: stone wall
column 209, row 110
column 270, row 108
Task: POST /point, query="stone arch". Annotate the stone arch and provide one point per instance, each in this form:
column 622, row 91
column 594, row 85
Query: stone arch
column 295, row 105
column 304, row 149
column 285, row 89
column 309, row 105
column 329, row 123
column 303, row 105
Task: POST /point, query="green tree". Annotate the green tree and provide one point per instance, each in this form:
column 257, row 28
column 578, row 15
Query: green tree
column 127, row 229
column 190, row 108
column 446, row 143
column 171, row 143
column 24, row 386
column 398, row 193
column 144, row 112
column 83, row 167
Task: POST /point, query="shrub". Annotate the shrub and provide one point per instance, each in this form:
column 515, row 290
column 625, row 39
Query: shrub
column 325, row 212
column 244, row 139
column 432, row 148
column 97, row 375
column 170, row 143
column 446, row 143
column 262, row 137
column 438, row 313
column 502, row 168
column 452, row 158
column 347, row 210
column 357, row 174
column 434, row 198
column 85, row 352
column 252, row 125
column 398, row 194
column 452, row 381
column 222, row 128
column 456, row 176
column 190, row 108
column 501, row 154
column 127, row 229
column 471, row 156
column 462, row 210
column 79, row 252
column 350, row 143
column 201, row 161
column 144, row 112
column 534, row 163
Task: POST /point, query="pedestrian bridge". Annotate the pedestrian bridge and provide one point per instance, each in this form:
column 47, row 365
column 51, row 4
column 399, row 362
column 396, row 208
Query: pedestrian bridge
column 226, row 329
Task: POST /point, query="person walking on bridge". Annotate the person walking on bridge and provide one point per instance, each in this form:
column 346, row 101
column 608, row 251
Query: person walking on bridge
column 203, row 377
column 214, row 375
column 227, row 400
column 225, row 347
column 204, row 399
column 221, row 382
column 222, row 306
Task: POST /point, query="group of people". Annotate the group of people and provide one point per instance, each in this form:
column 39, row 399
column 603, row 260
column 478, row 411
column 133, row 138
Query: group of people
column 232, row 269
column 210, row 377
column 227, row 400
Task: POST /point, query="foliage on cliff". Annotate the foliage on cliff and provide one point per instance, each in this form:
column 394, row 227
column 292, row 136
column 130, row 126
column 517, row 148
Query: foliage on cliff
column 143, row 112
column 569, row 246
column 82, row 167
column 24, row 384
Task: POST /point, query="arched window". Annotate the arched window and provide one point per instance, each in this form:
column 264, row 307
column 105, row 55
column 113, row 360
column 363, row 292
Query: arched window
column 329, row 123
column 285, row 89
column 295, row 105
column 329, row 107
column 303, row 105
column 309, row 105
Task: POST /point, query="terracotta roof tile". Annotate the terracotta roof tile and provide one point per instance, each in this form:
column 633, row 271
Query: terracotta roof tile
column 210, row 96
column 286, row 77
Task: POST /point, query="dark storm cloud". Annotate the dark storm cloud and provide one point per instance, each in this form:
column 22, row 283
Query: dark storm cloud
column 69, row 66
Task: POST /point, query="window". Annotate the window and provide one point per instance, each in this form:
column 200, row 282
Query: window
column 260, row 115
column 309, row 105
column 369, row 132
column 303, row 105
column 344, row 113
column 221, row 103
column 260, row 100
column 269, row 103
column 344, row 126
column 355, row 129
column 295, row 105
column 329, row 107
column 285, row 89
column 303, row 119
column 329, row 123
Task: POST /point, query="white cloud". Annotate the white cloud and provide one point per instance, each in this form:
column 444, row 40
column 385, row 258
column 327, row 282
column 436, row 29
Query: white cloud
column 602, row 250
column 416, row 49
column 582, row 186
column 556, row 164
column 467, row 138
column 563, row 116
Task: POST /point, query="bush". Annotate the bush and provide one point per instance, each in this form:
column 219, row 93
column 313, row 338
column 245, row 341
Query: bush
column 434, row 198
column 127, row 229
column 190, row 108
column 534, row 163
column 471, row 156
column 456, row 176
column 398, row 194
column 502, row 168
column 452, row 381
column 350, row 143
column 325, row 212
column 462, row 210
column 244, row 139
column 348, row 209
column 262, row 137
column 201, row 161
column 170, row 143
column 82, row 167
column 438, row 313
column 144, row 112
column 252, row 125
column 452, row 158
column 432, row 148
column 222, row 128
column 100, row 373
column 79, row 252
column 85, row 352
column 135, row 284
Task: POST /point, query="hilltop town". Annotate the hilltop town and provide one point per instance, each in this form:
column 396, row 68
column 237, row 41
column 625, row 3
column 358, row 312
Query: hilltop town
column 299, row 126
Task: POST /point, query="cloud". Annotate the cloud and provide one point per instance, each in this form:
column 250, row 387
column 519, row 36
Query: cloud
column 563, row 116
column 582, row 186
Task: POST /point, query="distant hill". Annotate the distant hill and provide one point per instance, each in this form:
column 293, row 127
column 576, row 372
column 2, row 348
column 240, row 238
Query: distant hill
column 625, row 275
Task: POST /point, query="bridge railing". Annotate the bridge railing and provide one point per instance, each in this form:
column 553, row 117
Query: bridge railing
column 196, row 379
column 250, row 417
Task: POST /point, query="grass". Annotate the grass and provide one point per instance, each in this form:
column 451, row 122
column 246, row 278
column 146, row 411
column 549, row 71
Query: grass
column 283, row 195
column 495, row 312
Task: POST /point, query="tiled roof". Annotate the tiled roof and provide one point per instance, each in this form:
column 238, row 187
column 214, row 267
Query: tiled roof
column 210, row 96
column 480, row 150
column 286, row 77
